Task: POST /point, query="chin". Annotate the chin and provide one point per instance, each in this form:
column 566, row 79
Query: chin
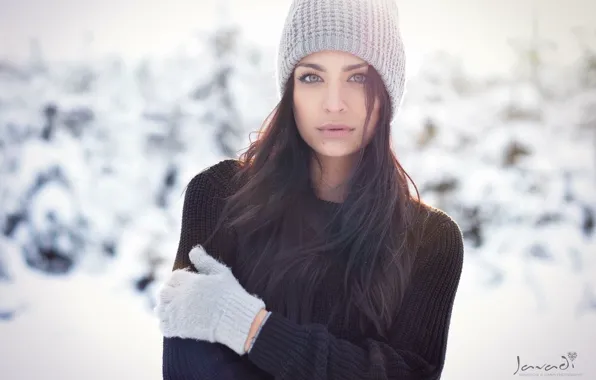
column 336, row 151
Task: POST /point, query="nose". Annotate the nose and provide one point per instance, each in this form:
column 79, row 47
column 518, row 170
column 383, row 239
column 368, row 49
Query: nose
column 333, row 101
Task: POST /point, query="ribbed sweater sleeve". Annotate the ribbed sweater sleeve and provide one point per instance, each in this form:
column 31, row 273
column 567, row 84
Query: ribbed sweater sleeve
column 417, row 346
column 189, row 359
column 203, row 202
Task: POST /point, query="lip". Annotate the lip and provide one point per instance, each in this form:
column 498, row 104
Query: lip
column 335, row 130
column 335, row 127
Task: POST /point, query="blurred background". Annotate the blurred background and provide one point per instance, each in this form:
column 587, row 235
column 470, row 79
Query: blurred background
column 108, row 109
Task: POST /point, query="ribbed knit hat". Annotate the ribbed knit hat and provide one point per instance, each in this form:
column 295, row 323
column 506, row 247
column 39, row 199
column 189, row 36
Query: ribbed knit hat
column 369, row 29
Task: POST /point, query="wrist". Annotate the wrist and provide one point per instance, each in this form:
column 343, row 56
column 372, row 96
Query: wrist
column 254, row 328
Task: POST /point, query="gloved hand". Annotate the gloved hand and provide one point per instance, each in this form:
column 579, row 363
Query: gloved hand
column 210, row 305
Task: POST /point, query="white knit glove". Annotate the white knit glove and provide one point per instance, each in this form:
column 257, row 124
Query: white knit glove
column 209, row 305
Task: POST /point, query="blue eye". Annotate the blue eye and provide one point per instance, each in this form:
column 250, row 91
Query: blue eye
column 361, row 76
column 303, row 77
column 312, row 78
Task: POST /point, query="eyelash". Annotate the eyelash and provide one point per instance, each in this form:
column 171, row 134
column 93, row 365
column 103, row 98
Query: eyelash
column 303, row 77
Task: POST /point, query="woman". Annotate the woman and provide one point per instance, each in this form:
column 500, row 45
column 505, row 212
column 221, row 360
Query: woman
column 308, row 258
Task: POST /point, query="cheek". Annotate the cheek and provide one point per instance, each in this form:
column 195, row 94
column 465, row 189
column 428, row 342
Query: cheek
column 303, row 108
column 297, row 103
column 372, row 124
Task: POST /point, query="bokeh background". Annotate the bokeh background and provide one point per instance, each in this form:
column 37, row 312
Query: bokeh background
column 109, row 108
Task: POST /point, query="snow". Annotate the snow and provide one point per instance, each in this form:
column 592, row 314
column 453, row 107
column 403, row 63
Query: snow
column 77, row 326
column 513, row 165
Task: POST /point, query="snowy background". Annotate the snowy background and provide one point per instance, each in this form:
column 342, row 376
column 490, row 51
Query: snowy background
column 99, row 139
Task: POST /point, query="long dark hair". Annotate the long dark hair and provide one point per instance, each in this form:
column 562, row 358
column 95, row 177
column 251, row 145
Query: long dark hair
column 369, row 239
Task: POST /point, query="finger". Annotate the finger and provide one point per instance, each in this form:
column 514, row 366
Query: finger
column 174, row 283
column 204, row 263
column 180, row 277
column 164, row 322
column 160, row 311
column 167, row 294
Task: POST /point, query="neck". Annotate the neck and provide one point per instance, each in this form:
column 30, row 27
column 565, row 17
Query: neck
column 330, row 177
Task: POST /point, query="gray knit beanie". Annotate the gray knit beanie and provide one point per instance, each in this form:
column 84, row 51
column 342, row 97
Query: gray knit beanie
column 369, row 29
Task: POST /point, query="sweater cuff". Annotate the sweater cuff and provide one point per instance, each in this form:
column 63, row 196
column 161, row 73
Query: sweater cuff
column 279, row 340
column 252, row 343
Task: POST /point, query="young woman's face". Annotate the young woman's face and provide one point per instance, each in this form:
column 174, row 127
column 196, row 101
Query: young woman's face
column 329, row 103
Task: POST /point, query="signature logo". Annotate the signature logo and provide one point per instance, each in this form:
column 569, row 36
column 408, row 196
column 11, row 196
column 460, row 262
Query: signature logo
column 546, row 367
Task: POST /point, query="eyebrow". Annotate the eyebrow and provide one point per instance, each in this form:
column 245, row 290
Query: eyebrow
column 345, row 68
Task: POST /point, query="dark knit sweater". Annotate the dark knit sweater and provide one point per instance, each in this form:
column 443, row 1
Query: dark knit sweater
column 285, row 349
